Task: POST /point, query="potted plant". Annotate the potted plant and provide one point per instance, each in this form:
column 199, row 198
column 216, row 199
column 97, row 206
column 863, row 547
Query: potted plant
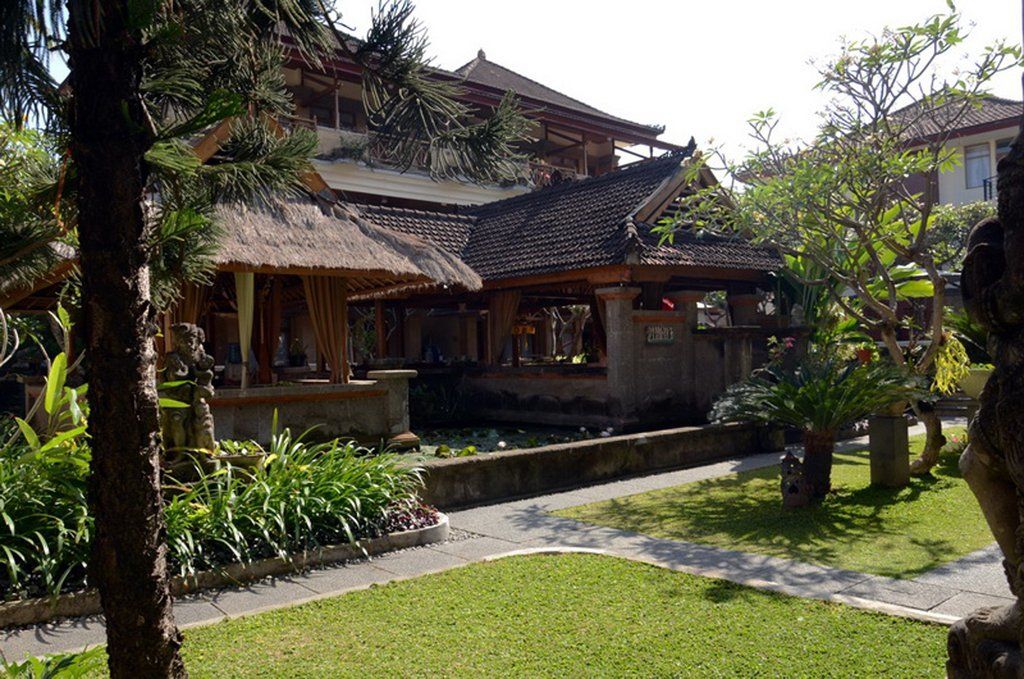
column 974, row 381
column 818, row 397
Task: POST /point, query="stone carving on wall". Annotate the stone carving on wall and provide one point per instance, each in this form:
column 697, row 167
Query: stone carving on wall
column 189, row 428
column 987, row 643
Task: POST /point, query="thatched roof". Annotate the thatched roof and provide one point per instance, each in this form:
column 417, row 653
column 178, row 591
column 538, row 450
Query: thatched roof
column 304, row 236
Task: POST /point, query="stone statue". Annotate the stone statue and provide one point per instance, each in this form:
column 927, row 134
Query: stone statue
column 987, row 643
column 191, row 428
column 796, row 491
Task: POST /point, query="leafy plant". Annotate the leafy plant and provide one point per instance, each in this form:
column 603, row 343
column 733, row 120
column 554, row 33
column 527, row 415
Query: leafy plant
column 56, row 666
column 819, row 397
column 301, row 496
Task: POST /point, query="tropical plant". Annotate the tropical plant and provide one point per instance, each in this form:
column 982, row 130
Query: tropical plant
column 301, row 496
column 144, row 79
column 56, row 666
column 951, row 225
column 844, row 200
column 819, row 398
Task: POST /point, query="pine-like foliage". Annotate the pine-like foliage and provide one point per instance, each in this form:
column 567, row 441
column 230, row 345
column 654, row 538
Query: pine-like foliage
column 207, row 61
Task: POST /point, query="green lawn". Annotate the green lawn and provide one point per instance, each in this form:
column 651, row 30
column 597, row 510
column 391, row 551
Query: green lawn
column 566, row 615
column 899, row 533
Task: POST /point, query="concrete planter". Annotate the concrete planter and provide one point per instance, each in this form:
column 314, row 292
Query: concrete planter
column 482, row 479
column 974, row 382
column 78, row 604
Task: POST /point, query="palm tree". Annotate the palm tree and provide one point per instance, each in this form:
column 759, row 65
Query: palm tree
column 144, row 76
column 819, row 398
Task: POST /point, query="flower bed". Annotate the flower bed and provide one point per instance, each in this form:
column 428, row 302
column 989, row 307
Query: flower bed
column 294, row 499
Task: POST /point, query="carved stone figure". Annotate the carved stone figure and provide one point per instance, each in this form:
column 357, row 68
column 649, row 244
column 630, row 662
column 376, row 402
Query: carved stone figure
column 189, row 428
column 796, row 491
column 987, row 643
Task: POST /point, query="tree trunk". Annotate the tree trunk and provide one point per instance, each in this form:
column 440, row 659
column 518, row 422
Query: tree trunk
column 818, row 448
column 933, row 439
column 110, row 135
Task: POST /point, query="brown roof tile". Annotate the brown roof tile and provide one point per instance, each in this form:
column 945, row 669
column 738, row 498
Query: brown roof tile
column 490, row 74
column 575, row 225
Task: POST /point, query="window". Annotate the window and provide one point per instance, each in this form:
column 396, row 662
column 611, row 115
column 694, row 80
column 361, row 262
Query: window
column 976, row 165
column 1003, row 148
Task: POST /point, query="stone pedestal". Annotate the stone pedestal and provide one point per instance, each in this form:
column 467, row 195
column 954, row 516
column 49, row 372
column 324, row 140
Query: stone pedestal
column 890, row 450
column 397, row 384
column 971, row 658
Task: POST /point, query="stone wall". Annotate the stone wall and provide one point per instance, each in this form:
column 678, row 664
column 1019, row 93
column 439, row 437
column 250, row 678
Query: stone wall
column 369, row 410
column 492, row 477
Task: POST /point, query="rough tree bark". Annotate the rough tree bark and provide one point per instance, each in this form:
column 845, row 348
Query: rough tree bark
column 110, row 135
column 818, row 449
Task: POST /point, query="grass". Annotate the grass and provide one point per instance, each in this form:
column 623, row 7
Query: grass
column 899, row 533
column 566, row 615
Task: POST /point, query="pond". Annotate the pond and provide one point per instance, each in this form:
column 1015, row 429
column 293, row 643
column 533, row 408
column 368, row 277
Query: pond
column 462, row 441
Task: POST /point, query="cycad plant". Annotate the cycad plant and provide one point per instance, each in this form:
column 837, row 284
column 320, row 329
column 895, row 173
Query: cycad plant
column 818, row 397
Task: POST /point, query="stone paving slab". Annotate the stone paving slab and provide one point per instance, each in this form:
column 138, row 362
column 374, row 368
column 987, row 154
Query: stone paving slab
column 53, row 638
column 980, row 572
column 260, row 596
column 963, row 603
column 901, row 592
column 475, row 549
column 416, row 562
column 343, row 578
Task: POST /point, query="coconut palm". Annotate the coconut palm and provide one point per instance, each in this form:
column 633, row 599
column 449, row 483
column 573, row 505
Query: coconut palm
column 819, row 397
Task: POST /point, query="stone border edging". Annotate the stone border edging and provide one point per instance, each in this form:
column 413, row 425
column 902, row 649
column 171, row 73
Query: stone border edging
column 78, row 604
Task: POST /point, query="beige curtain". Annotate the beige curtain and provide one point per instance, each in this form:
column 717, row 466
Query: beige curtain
column 502, row 309
column 327, row 300
column 245, row 294
column 188, row 309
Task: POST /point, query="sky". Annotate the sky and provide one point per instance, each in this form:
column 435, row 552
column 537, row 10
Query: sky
column 698, row 68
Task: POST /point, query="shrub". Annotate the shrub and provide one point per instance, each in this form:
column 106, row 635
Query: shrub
column 301, row 496
column 819, row 397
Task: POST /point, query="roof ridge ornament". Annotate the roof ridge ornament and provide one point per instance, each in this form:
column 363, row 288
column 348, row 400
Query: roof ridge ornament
column 481, row 55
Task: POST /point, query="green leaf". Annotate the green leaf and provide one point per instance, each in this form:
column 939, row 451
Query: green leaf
column 60, row 438
column 55, row 383
column 28, row 432
column 172, row 403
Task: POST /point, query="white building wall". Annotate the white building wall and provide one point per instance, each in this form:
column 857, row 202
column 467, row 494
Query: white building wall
column 953, row 184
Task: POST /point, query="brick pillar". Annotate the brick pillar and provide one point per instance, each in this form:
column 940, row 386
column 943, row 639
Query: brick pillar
column 622, row 337
column 685, row 302
column 744, row 309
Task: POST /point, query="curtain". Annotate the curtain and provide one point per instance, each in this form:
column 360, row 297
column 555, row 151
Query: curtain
column 188, row 309
column 502, row 309
column 245, row 293
column 327, row 300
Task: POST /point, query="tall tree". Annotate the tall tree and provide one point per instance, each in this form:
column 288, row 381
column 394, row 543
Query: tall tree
column 845, row 201
column 145, row 77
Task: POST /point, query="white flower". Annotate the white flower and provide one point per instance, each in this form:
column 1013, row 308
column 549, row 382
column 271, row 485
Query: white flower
column 502, row 445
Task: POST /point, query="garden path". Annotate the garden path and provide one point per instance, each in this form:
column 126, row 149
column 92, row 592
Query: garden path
column 941, row 595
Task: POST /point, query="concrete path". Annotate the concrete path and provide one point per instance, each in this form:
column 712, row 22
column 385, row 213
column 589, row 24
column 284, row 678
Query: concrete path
column 525, row 526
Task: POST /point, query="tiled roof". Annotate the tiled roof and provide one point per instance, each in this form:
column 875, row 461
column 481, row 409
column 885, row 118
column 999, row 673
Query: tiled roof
column 488, row 73
column 992, row 110
column 704, row 249
column 575, row 225
column 448, row 231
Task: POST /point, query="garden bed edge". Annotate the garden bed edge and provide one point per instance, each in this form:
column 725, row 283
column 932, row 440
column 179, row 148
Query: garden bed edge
column 79, row 604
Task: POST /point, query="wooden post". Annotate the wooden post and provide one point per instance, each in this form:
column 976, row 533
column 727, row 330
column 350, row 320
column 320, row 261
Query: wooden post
column 337, row 106
column 586, row 169
column 380, row 327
